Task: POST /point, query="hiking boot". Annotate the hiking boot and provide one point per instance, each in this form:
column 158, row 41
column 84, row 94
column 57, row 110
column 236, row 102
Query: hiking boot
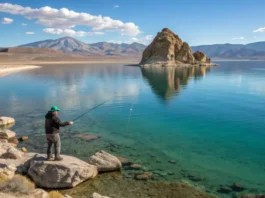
column 58, row 158
column 49, row 157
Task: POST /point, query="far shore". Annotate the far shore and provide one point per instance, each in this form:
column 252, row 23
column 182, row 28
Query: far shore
column 8, row 67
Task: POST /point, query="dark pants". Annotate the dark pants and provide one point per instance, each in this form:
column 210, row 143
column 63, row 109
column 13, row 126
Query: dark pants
column 54, row 139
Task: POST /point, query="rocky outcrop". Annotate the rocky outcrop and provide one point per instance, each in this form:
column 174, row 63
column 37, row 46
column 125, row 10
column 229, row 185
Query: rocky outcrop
column 7, row 171
column 7, row 134
column 105, row 162
column 185, row 54
column 167, row 49
column 6, row 121
column 60, row 174
column 96, row 195
column 8, row 151
column 37, row 193
column 200, row 57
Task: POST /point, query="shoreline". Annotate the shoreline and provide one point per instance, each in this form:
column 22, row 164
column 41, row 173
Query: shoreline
column 5, row 70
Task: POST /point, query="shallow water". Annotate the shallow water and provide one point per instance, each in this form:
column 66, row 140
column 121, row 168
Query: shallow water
column 209, row 120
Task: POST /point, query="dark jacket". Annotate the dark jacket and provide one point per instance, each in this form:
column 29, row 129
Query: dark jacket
column 53, row 123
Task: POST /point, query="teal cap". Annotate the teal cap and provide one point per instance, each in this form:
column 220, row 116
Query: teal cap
column 55, row 108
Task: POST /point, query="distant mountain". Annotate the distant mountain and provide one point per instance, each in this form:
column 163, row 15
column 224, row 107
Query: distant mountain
column 74, row 46
column 71, row 45
column 233, row 51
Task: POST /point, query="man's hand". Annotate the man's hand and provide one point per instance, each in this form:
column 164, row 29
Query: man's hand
column 71, row 123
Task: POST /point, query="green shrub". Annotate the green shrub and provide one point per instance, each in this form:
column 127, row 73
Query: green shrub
column 18, row 184
column 55, row 194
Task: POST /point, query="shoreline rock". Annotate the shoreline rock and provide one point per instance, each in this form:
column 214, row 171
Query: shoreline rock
column 105, row 162
column 60, row 174
column 5, row 121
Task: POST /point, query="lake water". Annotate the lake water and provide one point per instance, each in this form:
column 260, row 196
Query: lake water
column 211, row 121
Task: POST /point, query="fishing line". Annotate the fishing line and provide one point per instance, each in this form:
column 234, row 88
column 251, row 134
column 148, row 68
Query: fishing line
column 115, row 96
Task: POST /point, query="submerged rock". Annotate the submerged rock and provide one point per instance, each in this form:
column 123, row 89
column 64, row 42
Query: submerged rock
column 194, row 178
column 124, row 161
column 6, row 121
column 96, row 195
column 225, row 189
column 172, row 161
column 253, row 196
column 105, row 162
column 144, row 176
column 60, row 174
column 237, row 187
column 87, row 137
column 136, row 166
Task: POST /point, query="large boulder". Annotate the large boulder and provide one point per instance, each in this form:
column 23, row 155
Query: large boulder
column 167, row 49
column 105, row 162
column 6, row 121
column 60, row 174
column 96, row 195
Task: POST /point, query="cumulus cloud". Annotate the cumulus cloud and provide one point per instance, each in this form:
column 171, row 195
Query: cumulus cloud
column 7, row 21
column 116, row 6
column 70, row 32
column 65, row 19
column 260, row 30
column 30, row 33
column 238, row 38
column 24, row 24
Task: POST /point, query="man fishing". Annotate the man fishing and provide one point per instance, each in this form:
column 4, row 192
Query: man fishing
column 52, row 127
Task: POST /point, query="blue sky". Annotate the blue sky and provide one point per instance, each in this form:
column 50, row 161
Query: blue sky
column 195, row 21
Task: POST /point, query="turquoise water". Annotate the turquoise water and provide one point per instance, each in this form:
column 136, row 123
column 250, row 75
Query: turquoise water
column 211, row 121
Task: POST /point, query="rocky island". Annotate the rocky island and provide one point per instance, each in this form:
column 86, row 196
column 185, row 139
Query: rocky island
column 167, row 49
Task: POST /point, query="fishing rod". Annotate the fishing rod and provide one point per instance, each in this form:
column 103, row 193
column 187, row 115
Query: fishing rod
column 91, row 110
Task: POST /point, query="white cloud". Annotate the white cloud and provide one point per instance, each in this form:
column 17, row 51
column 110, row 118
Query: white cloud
column 260, row 30
column 116, row 6
column 135, row 39
column 148, row 37
column 30, row 33
column 70, row 32
column 238, row 38
column 24, row 24
column 7, row 21
column 64, row 18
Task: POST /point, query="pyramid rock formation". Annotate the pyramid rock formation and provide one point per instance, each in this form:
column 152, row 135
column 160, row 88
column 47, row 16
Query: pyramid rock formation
column 167, row 49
